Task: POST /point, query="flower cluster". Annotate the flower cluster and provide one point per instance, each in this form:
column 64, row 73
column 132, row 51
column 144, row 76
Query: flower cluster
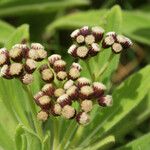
column 59, row 99
column 21, row 61
column 87, row 42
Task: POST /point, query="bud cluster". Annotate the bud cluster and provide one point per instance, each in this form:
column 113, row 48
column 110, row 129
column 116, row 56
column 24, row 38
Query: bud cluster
column 87, row 40
column 21, row 61
column 58, row 99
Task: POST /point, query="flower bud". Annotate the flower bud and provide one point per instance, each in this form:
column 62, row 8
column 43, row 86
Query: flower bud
column 89, row 39
column 86, row 105
column 59, row 65
column 105, row 101
column 37, row 96
column 42, row 115
column 86, row 92
column 94, row 49
column 36, row 46
column 27, row 78
column 98, row 33
column 108, row 41
column 44, row 102
column 56, row 110
column 117, row 48
column 68, row 112
column 64, row 100
column 16, row 69
column 30, row 65
column 82, row 81
column 99, row 89
column 111, row 33
column 48, row 89
column 43, row 67
column 53, row 58
column 4, row 57
column 74, row 73
column 68, row 84
column 82, row 52
column 83, row 118
column 61, row 75
column 84, row 31
column 80, row 39
column 5, row 73
column 77, row 66
column 73, row 50
column 75, row 33
column 58, row 92
column 72, row 92
column 16, row 53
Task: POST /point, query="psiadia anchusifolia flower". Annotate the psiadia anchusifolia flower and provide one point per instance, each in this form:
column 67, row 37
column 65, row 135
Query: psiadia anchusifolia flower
column 4, row 57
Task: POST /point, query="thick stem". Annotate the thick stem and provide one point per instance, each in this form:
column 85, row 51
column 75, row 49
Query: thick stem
column 33, row 109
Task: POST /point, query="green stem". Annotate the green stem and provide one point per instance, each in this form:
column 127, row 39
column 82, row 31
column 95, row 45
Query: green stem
column 105, row 66
column 87, row 62
column 33, row 108
column 56, row 135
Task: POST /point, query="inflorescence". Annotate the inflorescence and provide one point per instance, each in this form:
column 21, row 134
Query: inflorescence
column 65, row 92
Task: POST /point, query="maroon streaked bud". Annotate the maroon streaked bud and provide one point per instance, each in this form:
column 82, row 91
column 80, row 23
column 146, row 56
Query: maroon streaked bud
column 27, row 78
column 47, row 75
column 84, row 31
column 99, row 89
column 82, row 52
column 82, row 81
column 56, row 110
column 108, row 41
column 72, row 92
column 59, row 65
column 74, row 74
column 5, row 73
column 42, row 115
column 89, row 39
column 4, row 57
column 77, row 66
column 61, row 75
column 36, row 46
column 75, row 33
column 111, row 33
column 16, row 69
column 32, row 54
column 64, row 100
column 37, row 96
column 58, row 92
column 68, row 84
column 94, row 49
column 30, row 65
column 44, row 102
column 73, row 50
column 128, row 43
column 16, row 53
column 68, row 112
column 86, row 105
column 117, row 48
column 82, row 118
column 80, row 39
column 105, row 101
column 86, row 92
column 48, row 89
column 53, row 58
column 98, row 33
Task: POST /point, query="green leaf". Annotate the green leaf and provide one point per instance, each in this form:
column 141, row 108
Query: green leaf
column 27, row 8
column 125, row 101
column 21, row 34
column 141, row 143
column 46, row 142
column 6, row 31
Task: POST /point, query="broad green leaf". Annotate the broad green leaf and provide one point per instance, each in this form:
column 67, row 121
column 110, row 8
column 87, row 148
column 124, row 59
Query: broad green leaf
column 21, row 34
column 142, row 143
column 39, row 7
column 125, row 101
column 6, row 30
column 136, row 28
column 46, row 142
